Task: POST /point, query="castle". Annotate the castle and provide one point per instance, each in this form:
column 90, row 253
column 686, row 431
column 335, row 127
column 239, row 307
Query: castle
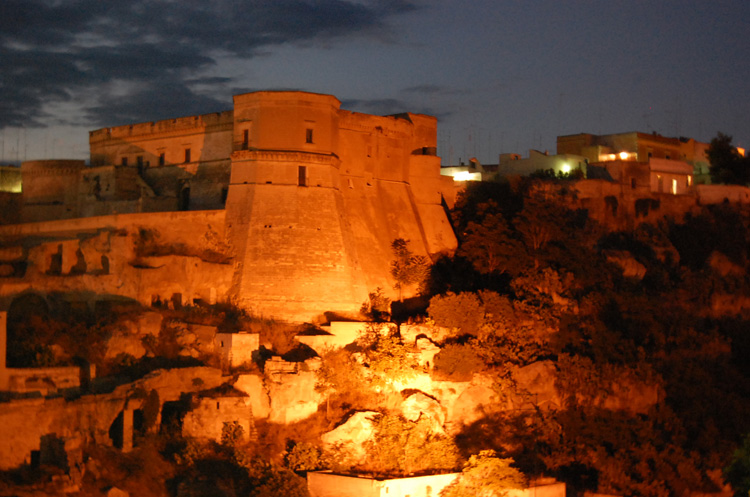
column 286, row 204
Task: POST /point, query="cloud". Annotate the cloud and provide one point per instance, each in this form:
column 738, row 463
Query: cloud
column 389, row 106
column 84, row 50
column 431, row 89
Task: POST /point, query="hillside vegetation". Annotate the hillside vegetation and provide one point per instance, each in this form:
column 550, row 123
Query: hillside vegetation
column 534, row 278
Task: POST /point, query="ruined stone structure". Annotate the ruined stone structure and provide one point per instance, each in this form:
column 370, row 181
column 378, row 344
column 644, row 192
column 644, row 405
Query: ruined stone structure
column 293, row 205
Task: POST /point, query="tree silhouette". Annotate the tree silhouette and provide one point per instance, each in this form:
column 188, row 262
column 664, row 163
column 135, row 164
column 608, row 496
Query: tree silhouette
column 727, row 165
column 407, row 268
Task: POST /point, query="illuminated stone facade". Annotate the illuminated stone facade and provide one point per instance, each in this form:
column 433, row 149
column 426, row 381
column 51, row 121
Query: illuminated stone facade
column 294, row 202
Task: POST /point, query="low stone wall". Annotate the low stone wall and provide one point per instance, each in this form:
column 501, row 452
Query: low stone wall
column 44, row 380
column 327, row 484
column 717, row 194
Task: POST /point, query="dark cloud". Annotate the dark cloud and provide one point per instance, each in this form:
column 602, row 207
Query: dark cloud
column 182, row 101
column 430, row 89
column 378, row 106
column 389, row 106
column 75, row 50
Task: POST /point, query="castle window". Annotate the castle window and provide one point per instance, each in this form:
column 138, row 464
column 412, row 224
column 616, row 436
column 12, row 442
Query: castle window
column 632, row 183
column 245, row 139
column 139, row 160
column 302, row 175
column 162, row 159
column 308, row 135
column 124, row 161
column 187, row 155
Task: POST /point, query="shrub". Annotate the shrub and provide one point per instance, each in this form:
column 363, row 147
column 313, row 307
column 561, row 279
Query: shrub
column 486, row 474
column 461, row 312
column 401, row 447
column 458, row 362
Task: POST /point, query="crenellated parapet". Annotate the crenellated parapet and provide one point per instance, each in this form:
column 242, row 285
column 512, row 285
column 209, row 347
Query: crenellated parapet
column 216, row 121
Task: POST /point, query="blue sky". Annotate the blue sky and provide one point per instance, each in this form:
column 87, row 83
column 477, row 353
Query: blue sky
column 501, row 76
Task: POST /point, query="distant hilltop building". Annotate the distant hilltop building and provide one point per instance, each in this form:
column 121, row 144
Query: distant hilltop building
column 682, row 159
column 287, row 204
column 639, row 147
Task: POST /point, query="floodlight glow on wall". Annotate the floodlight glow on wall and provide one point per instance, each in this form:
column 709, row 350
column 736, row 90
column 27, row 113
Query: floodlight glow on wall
column 467, row 176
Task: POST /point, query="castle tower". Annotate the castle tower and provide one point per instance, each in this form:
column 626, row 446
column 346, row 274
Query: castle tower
column 284, row 212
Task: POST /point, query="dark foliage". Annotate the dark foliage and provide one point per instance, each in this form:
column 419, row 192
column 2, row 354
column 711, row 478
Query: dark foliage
column 727, row 165
column 660, row 329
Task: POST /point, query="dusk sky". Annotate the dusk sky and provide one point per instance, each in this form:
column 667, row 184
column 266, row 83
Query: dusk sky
column 501, row 76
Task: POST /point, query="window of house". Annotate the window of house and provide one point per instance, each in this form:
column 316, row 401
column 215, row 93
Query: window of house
column 302, row 175
column 308, row 135
column 674, row 187
column 139, row 161
column 162, row 159
column 187, row 155
column 124, row 161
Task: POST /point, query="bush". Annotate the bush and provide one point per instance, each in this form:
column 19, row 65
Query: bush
column 486, row 474
column 461, row 312
column 458, row 362
column 401, row 447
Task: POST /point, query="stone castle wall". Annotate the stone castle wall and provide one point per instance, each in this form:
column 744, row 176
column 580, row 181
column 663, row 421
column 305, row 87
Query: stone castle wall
column 310, row 198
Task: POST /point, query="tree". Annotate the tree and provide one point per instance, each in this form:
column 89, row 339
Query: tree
column 401, row 447
column 488, row 242
column 389, row 361
column 407, row 268
column 727, row 165
column 462, row 313
column 339, row 373
column 377, row 307
column 738, row 471
column 485, row 475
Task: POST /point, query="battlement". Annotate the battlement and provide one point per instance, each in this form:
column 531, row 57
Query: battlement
column 212, row 121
